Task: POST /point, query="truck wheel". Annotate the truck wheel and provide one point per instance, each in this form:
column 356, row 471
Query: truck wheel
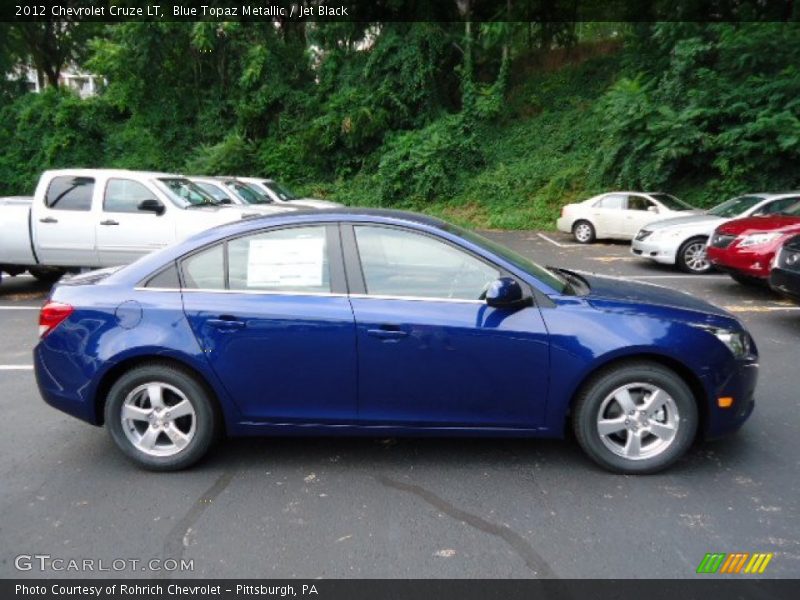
column 692, row 257
column 47, row 274
column 638, row 417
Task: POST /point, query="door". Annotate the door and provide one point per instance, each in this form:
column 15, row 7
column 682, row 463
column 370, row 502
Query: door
column 639, row 212
column 124, row 231
column 430, row 351
column 608, row 215
column 276, row 325
column 64, row 228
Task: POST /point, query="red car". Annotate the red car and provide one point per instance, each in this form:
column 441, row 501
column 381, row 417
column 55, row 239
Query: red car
column 745, row 248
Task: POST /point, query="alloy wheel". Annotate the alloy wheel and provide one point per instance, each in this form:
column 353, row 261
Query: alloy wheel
column 158, row 419
column 695, row 258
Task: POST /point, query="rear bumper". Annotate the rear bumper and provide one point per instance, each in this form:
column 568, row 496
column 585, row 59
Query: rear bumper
column 741, row 386
column 659, row 252
column 785, row 282
column 564, row 224
column 64, row 383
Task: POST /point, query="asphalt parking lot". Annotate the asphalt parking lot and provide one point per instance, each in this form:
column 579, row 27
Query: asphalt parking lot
column 410, row 508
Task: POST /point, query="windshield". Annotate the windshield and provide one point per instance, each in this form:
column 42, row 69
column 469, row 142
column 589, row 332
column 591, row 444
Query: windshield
column 217, row 192
column 554, row 279
column 281, row 192
column 185, row 193
column 671, row 202
column 735, row 206
column 248, row 193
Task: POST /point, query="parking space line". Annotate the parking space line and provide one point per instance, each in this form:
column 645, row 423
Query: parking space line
column 16, row 367
column 559, row 244
column 20, row 307
column 695, row 277
column 744, row 308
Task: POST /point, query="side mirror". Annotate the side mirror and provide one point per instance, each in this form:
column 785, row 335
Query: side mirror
column 506, row 292
column 224, row 200
column 652, row 209
column 152, row 205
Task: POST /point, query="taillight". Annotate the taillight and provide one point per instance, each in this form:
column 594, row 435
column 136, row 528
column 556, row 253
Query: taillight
column 51, row 316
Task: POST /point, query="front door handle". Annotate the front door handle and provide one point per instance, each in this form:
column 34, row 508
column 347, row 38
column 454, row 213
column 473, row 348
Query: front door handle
column 109, row 222
column 226, row 323
column 48, row 220
column 388, row 332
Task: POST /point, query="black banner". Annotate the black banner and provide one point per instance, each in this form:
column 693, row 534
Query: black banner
column 400, row 10
column 738, row 588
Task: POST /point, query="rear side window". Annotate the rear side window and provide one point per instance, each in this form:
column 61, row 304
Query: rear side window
column 165, row 279
column 125, row 195
column 639, row 203
column 616, row 201
column 205, row 270
column 70, row 193
column 778, row 206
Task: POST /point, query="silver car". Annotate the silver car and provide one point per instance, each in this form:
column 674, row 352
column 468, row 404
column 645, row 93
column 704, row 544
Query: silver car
column 682, row 241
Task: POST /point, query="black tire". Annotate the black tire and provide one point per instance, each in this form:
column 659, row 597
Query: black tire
column 46, row 274
column 206, row 420
column 598, row 389
column 749, row 281
column 685, row 255
column 584, row 226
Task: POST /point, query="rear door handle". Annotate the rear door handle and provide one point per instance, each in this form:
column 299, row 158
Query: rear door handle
column 226, row 323
column 109, row 222
column 388, row 332
column 48, row 220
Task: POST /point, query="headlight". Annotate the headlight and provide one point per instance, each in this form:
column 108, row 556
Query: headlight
column 756, row 239
column 738, row 342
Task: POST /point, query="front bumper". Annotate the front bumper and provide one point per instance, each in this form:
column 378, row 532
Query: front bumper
column 785, row 282
column 743, row 262
column 739, row 385
column 663, row 252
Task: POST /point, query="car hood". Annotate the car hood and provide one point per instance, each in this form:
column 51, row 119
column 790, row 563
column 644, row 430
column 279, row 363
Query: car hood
column 692, row 220
column 607, row 292
column 781, row 223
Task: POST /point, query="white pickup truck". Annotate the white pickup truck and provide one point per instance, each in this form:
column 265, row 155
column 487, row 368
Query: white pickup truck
column 87, row 218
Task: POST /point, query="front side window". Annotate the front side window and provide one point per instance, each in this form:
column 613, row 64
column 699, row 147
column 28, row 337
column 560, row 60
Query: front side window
column 285, row 260
column 124, row 195
column 779, row 206
column 614, row 201
column 70, row 193
column 407, row 264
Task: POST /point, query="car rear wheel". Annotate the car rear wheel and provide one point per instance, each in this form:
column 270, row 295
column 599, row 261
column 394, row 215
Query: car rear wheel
column 583, row 232
column 160, row 417
column 692, row 257
column 636, row 418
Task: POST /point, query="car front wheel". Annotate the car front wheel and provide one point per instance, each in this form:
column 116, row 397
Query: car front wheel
column 692, row 257
column 635, row 418
column 161, row 417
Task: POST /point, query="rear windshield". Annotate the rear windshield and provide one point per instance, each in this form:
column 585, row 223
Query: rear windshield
column 671, row 202
column 735, row 206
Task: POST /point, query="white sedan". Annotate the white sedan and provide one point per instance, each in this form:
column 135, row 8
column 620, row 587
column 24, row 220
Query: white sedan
column 682, row 241
column 618, row 215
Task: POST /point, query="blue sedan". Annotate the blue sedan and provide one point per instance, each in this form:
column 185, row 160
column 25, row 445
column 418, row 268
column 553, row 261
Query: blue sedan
column 367, row 322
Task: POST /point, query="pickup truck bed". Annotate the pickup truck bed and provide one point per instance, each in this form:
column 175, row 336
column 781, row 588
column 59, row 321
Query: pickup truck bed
column 15, row 231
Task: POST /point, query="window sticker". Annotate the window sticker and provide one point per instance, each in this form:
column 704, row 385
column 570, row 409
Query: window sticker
column 285, row 262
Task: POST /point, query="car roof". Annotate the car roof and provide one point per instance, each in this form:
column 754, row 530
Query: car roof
column 111, row 173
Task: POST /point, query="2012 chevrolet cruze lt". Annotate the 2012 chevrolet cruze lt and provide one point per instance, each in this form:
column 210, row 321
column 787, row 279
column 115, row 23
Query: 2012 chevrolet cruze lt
column 385, row 323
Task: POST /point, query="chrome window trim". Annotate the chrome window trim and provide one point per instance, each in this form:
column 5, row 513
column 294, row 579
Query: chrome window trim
column 312, row 294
